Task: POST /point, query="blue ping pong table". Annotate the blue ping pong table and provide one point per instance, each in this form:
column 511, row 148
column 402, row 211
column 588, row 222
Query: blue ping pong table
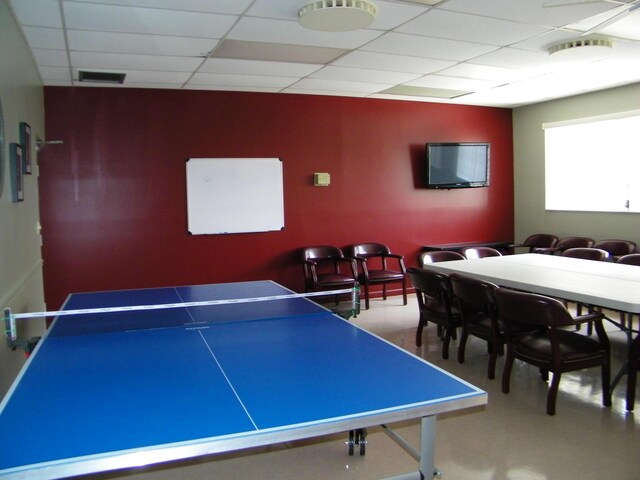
column 103, row 392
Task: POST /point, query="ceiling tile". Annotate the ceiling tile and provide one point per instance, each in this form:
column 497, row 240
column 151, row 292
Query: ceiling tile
column 257, row 67
column 51, row 58
column 115, row 18
column 339, row 86
column 240, row 80
column 386, row 61
column 278, row 52
column 363, row 75
column 37, row 13
column 109, row 42
column 234, row 7
column 529, row 11
column 453, row 83
column 458, row 26
column 110, row 61
column 291, row 32
column 438, row 48
column 39, row 37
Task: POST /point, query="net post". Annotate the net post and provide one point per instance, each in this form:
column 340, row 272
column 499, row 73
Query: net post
column 10, row 328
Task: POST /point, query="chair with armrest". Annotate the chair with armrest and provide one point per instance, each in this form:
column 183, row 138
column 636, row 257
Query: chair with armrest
column 566, row 243
column 536, row 241
column 632, row 372
column 433, row 292
column 587, row 254
column 479, row 316
column 616, row 248
column 630, row 259
column 374, row 262
column 550, row 346
column 474, row 253
column 322, row 269
column 425, row 258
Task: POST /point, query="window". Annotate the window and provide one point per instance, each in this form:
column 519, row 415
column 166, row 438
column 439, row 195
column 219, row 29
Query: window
column 593, row 164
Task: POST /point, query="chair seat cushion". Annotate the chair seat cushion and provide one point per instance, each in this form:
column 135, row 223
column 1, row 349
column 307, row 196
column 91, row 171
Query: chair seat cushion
column 334, row 279
column 574, row 347
column 384, row 275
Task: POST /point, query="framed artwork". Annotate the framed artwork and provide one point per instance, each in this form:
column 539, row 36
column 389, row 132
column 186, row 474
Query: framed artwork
column 17, row 180
column 25, row 141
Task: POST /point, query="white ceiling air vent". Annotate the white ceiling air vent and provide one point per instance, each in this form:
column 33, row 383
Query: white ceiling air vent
column 582, row 48
column 337, row 15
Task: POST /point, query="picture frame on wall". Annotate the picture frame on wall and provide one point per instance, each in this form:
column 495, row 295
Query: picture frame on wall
column 25, row 141
column 17, row 180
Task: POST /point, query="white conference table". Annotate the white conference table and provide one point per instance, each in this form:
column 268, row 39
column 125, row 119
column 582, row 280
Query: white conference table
column 600, row 284
column 603, row 284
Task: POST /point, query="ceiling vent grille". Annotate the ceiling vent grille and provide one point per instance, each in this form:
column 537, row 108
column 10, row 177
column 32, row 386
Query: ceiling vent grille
column 580, row 43
column 101, row 77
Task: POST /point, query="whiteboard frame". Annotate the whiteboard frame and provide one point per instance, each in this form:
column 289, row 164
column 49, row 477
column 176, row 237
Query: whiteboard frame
column 234, row 195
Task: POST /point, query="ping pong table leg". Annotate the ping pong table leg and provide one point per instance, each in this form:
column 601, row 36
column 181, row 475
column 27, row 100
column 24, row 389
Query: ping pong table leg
column 427, row 448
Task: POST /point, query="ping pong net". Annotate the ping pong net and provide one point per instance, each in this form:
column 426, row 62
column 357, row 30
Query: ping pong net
column 118, row 311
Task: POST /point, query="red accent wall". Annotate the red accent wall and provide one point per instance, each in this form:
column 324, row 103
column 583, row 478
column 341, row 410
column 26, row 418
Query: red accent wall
column 113, row 196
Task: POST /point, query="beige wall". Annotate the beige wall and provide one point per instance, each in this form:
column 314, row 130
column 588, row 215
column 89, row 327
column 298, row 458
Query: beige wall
column 20, row 258
column 530, row 215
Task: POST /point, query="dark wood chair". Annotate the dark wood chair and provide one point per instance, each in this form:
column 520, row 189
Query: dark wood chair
column 616, row 248
column 550, row 346
column 474, row 253
column 376, row 270
column 433, row 292
column 566, row 243
column 479, row 316
column 425, row 258
column 587, row 254
column 630, row 259
column 537, row 241
column 326, row 268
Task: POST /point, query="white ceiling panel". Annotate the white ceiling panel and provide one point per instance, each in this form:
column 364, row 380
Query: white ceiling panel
column 233, row 7
column 494, row 49
column 339, row 86
column 51, row 58
column 291, row 32
column 363, row 75
column 385, row 61
column 429, row 47
column 40, row 37
column 251, row 67
column 109, row 42
column 38, row 13
column 115, row 18
column 460, row 26
column 241, row 80
column 530, row 11
column 113, row 61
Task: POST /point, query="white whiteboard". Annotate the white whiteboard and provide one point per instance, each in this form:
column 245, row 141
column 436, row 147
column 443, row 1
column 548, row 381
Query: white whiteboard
column 234, row 195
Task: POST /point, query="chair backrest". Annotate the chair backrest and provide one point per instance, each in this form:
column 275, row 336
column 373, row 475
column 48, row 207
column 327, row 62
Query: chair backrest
column 631, row 259
column 574, row 242
column 475, row 296
column 515, row 307
column 425, row 258
column 540, row 240
column 473, row 253
column 586, row 253
column 616, row 248
column 427, row 282
column 322, row 252
column 370, row 249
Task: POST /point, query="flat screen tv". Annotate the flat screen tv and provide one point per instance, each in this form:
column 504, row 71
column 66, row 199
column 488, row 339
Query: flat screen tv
column 457, row 165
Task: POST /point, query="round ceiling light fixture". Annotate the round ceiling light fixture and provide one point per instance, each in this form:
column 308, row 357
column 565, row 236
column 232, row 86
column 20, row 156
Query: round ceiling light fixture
column 337, row 15
column 582, row 49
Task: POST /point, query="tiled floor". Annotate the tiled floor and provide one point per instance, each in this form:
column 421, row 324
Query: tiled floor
column 510, row 438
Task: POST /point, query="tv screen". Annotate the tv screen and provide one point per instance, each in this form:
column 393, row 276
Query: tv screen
column 457, row 165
